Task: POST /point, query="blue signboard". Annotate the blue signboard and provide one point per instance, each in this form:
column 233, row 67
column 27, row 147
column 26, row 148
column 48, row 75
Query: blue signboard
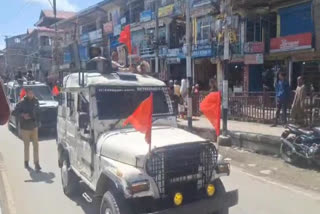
column 146, row 16
column 83, row 52
column 84, row 38
column 67, row 57
column 199, row 51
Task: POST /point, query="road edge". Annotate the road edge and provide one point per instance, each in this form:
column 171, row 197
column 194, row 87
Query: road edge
column 6, row 197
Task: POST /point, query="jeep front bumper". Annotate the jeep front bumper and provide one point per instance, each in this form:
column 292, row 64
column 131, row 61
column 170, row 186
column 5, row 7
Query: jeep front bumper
column 205, row 206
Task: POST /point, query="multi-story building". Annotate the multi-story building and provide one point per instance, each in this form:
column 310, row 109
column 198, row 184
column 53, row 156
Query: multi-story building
column 15, row 55
column 99, row 26
column 39, row 43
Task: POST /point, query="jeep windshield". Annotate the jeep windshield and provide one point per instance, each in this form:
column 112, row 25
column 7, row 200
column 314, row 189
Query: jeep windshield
column 119, row 103
column 41, row 92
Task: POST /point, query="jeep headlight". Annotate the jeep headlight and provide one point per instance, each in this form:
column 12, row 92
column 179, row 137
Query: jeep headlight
column 139, row 186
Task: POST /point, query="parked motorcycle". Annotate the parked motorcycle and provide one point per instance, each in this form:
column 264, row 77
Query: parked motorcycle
column 300, row 144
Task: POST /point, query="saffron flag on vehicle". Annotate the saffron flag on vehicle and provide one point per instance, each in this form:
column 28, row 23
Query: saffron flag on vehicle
column 22, row 93
column 4, row 106
column 125, row 38
column 55, row 91
column 211, row 108
column 141, row 119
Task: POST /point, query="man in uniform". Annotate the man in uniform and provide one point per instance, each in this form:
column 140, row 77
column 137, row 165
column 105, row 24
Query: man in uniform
column 28, row 112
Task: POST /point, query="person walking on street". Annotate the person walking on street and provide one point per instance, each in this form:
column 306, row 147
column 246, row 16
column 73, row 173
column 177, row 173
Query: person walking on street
column 28, row 112
column 4, row 105
column 282, row 97
column 297, row 110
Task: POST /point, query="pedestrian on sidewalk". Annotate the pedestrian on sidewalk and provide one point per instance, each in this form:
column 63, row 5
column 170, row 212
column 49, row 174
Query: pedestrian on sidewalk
column 4, row 106
column 282, row 97
column 28, row 112
column 297, row 110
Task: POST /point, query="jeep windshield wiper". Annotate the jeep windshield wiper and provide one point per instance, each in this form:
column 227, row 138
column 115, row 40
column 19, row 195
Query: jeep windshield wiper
column 113, row 126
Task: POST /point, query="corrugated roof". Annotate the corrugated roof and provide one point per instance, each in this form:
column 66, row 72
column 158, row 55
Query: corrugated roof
column 60, row 14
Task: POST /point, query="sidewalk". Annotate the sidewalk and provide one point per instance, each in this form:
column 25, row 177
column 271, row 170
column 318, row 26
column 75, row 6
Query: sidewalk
column 256, row 137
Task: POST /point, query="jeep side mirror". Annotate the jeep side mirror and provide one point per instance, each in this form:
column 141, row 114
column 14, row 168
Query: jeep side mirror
column 83, row 120
column 11, row 100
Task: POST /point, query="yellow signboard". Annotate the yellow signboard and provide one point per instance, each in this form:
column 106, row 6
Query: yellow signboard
column 166, row 11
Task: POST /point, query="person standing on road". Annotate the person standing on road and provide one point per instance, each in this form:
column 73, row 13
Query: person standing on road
column 28, row 112
column 297, row 110
column 282, row 97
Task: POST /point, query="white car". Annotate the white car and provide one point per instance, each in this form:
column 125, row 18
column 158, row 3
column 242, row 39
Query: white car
column 179, row 175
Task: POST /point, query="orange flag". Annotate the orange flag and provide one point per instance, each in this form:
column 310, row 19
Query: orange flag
column 125, row 38
column 55, row 91
column 22, row 93
column 211, row 108
column 141, row 119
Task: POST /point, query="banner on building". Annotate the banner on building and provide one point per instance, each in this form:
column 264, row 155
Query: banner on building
column 117, row 30
column 108, row 27
column 291, row 43
column 166, row 11
column 95, row 35
column 254, row 47
column 253, row 59
column 146, row 16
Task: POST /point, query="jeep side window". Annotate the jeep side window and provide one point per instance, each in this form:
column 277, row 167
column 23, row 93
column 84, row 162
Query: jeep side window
column 62, row 100
column 83, row 104
column 71, row 105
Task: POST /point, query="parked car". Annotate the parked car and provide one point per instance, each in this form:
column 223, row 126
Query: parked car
column 181, row 173
column 48, row 106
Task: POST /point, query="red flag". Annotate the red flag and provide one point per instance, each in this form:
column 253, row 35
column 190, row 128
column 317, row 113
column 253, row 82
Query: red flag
column 141, row 119
column 125, row 38
column 211, row 108
column 55, row 91
column 4, row 106
column 22, row 93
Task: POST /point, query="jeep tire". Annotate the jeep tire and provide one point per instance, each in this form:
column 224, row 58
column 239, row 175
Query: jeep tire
column 70, row 181
column 113, row 203
column 220, row 192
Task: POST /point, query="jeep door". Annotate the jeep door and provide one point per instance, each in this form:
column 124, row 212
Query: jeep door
column 87, row 153
column 72, row 130
column 62, row 118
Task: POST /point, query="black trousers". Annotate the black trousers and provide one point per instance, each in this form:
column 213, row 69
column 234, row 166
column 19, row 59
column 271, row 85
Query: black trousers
column 282, row 105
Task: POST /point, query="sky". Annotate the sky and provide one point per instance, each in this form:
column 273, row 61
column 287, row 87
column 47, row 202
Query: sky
column 16, row 16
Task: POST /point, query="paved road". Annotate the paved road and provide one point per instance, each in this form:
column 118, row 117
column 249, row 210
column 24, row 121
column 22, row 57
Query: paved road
column 34, row 193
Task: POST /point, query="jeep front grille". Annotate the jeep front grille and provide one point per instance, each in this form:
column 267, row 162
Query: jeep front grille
column 182, row 164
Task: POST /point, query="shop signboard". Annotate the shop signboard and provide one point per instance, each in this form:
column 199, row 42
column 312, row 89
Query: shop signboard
column 108, row 27
column 95, row 35
column 253, row 59
column 200, row 3
column 83, row 53
column 123, row 20
column 146, row 16
column 84, row 38
column 166, row 11
column 254, row 47
column 199, row 51
column 67, row 57
column 291, row 43
column 117, row 30
column 174, row 60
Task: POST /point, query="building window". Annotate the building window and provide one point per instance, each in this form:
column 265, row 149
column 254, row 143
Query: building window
column 149, row 5
column 204, row 28
column 45, row 41
column 254, row 30
column 135, row 9
column 17, row 40
column 88, row 28
column 166, row 2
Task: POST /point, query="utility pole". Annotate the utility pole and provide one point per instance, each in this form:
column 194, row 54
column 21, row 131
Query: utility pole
column 188, row 62
column 157, row 36
column 55, row 48
column 226, row 11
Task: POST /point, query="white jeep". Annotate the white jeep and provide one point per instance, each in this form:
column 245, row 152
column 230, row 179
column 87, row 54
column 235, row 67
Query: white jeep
column 181, row 173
